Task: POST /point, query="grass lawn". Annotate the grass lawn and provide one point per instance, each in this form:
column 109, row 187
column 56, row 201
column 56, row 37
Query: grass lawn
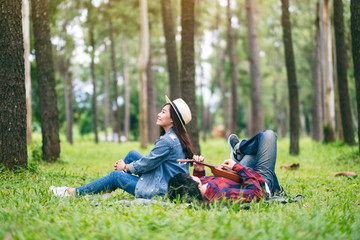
column 330, row 208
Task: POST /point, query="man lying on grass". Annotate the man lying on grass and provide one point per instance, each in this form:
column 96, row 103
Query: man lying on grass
column 253, row 160
column 210, row 188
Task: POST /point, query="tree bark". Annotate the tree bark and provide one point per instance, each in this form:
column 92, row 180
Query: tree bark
column 302, row 122
column 220, row 76
column 291, row 76
column 276, row 103
column 282, row 116
column 26, row 35
column 170, row 46
column 341, row 65
column 117, row 128
column 153, row 131
column 46, row 81
column 106, row 97
column 256, row 99
column 93, row 78
column 64, row 64
column 188, row 68
column 355, row 36
column 233, row 112
column 126, row 91
column 13, row 150
column 329, row 101
column 317, row 110
column 340, row 132
column 71, row 111
column 219, row 68
column 142, row 64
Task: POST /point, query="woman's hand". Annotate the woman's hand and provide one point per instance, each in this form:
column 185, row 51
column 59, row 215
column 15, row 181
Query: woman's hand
column 228, row 164
column 198, row 167
column 119, row 165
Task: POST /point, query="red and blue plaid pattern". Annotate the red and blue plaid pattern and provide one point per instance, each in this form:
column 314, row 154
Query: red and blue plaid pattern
column 251, row 187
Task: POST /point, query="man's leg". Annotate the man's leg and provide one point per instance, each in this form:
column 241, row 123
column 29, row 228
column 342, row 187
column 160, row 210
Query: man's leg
column 260, row 155
column 116, row 179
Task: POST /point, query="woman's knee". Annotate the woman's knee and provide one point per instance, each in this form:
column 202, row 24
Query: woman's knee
column 115, row 174
column 133, row 155
column 133, row 152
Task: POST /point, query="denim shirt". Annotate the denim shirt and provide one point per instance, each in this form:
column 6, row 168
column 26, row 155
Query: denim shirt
column 159, row 166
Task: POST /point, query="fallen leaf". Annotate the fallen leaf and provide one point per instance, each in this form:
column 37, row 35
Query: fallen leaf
column 344, row 173
column 8, row 236
column 292, row 166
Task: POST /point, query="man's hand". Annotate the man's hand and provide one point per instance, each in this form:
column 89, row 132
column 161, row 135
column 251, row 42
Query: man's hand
column 119, row 165
column 198, row 167
column 228, row 164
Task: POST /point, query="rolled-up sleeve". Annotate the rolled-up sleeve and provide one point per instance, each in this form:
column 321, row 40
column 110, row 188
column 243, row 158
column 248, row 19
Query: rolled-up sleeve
column 153, row 160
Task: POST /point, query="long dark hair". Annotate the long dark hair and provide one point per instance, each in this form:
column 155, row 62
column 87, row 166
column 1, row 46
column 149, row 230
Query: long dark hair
column 180, row 133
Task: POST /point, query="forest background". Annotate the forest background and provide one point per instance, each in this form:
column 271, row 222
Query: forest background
column 238, row 80
column 242, row 66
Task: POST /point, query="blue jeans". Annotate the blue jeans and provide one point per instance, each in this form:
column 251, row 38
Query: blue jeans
column 116, row 179
column 259, row 153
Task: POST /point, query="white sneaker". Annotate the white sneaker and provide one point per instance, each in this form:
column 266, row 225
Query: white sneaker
column 60, row 191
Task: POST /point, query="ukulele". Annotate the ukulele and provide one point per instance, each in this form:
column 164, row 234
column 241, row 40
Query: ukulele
column 216, row 170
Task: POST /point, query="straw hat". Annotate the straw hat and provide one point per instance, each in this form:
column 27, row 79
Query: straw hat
column 182, row 110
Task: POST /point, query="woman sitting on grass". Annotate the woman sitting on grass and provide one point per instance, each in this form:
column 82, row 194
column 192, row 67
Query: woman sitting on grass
column 153, row 170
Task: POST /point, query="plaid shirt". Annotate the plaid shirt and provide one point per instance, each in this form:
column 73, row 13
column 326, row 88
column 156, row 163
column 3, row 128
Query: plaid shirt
column 251, row 187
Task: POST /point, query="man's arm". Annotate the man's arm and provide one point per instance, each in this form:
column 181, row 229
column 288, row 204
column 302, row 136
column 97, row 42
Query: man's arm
column 250, row 183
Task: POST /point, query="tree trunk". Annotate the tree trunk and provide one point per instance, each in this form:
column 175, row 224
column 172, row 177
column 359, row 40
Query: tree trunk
column 291, row 76
column 170, row 46
column 46, row 81
column 249, row 121
column 329, row 102
column 317, row 110
column 71, row 111
column 219, row 69
column 142, row 64
column 341, row 65
column 276, row 103
column 203, row 107
column 153, row 131
column 188, row 68
column 106, row 97
column 220, row 76
column 340, row 132
column 117, row 128
column 26, row 35
column 13, row 150
column 302, row 122
column 233, row 112
column 256, row 99
column 64, row 64
column 282, row 116
column 93, row 78
column 126, row 91
column 355, row 36
column 206, row 114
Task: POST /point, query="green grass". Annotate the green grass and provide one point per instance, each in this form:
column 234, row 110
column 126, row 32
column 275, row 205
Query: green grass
column 330, row 208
